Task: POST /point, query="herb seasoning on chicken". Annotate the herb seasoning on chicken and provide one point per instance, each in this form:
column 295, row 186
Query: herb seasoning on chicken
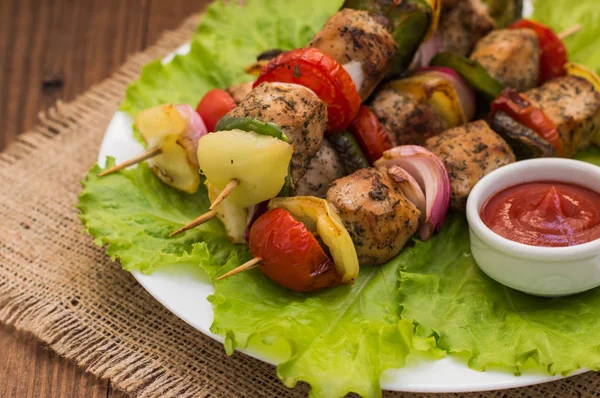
column 324, row 168
column 463, row 24
column 300, row 114
column 406, row 118
column 361, row 44
column 379, row 218
column 512, row 56
column 469, row 153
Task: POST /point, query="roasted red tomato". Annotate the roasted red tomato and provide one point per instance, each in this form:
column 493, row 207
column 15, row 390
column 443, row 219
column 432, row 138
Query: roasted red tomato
column 370, row 134
column 521, row 110
column 312, row 69
column 291, row 255
column 213, row 106
column 554, row 53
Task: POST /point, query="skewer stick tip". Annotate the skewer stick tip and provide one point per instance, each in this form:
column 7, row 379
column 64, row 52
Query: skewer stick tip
column 150, row 153
column 570, row 31
column 200, row 220
column 231, row 185
column 244, row 267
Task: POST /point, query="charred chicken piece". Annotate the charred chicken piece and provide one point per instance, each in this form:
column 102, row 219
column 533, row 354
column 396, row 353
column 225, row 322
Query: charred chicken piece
column 300, row 114
column 361, row 44
column 469, row 153
column 324, row 168
column 462, row 25
column 573, row 104
column 408, row 120
column 511, row 56
column 379, row 218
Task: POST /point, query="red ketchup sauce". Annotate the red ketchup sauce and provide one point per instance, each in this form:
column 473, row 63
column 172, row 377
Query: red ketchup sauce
column 544, row 213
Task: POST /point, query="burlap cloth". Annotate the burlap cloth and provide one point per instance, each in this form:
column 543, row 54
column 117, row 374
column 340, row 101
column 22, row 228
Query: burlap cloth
column 56, row 284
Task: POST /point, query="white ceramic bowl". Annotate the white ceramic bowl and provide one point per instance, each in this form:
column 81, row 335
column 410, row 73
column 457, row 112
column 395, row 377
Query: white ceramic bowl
column 542, row 271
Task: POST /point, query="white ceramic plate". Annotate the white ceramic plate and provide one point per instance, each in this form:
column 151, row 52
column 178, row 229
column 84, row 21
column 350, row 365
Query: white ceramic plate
column 184, row 291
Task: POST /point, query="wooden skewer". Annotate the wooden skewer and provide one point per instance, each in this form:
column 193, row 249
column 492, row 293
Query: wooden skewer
column 570, row 31
column 209, row 215
column 231, row 185
column 150, row 153
column 244, row 267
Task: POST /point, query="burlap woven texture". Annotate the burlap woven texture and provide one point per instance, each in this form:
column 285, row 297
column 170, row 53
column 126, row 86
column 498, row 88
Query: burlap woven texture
column 56, row 284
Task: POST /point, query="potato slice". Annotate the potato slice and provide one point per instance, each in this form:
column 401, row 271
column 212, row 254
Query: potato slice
column 162, row 126
column 260, row 163
column 318, row 216
column 234, row 218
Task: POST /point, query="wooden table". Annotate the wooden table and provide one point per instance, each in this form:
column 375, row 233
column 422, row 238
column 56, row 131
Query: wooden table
column 56, row 49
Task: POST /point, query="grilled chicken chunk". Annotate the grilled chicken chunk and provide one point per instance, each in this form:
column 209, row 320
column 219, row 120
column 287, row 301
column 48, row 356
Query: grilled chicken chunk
column 469, row 152
column 573, row 105
column 240, row 91
column 375, row 212
column 408, row 120
column 462, row 25
column 356, row 40
column 324, row 168
column 297, row 110
column 512, row 56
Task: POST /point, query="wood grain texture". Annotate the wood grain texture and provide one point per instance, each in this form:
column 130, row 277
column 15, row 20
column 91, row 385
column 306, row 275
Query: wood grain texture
column 56, row 49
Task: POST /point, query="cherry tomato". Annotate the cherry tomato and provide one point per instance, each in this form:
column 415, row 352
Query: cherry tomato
column 213, row 106
column 554, row 54
column 370, row 134
column 330, row 82
column 292, row 256
column 521, row 110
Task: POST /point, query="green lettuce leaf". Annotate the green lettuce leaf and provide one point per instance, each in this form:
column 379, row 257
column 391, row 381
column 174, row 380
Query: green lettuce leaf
column 444, row 290
column 132, row 212
column 583, row 47
column 339, row 340
column 228, row 38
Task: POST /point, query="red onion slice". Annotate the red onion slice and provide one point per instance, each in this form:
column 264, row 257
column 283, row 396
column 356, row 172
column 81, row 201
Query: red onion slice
column 196, row 130
column 465, row 93
column 427, row 51
column 431, row 175
column 410, row 188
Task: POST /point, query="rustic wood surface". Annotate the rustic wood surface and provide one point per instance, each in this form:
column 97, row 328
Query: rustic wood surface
column 56, row 49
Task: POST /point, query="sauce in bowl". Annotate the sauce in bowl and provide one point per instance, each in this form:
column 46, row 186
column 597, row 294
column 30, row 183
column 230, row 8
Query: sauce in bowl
column 546, row 213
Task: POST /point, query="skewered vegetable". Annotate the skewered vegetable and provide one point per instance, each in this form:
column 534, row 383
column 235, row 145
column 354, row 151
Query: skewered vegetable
column 473, row 73
column 347, row 147
column 319, row 217
column 175, row 129
column 323, row 76
column 469, row 153
column 370, row 134
column 440, row 89
column 521, row 110
column 213, row 106
column 429, row 172
column 234, row 218
column 258, row 162
column 289, row 254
